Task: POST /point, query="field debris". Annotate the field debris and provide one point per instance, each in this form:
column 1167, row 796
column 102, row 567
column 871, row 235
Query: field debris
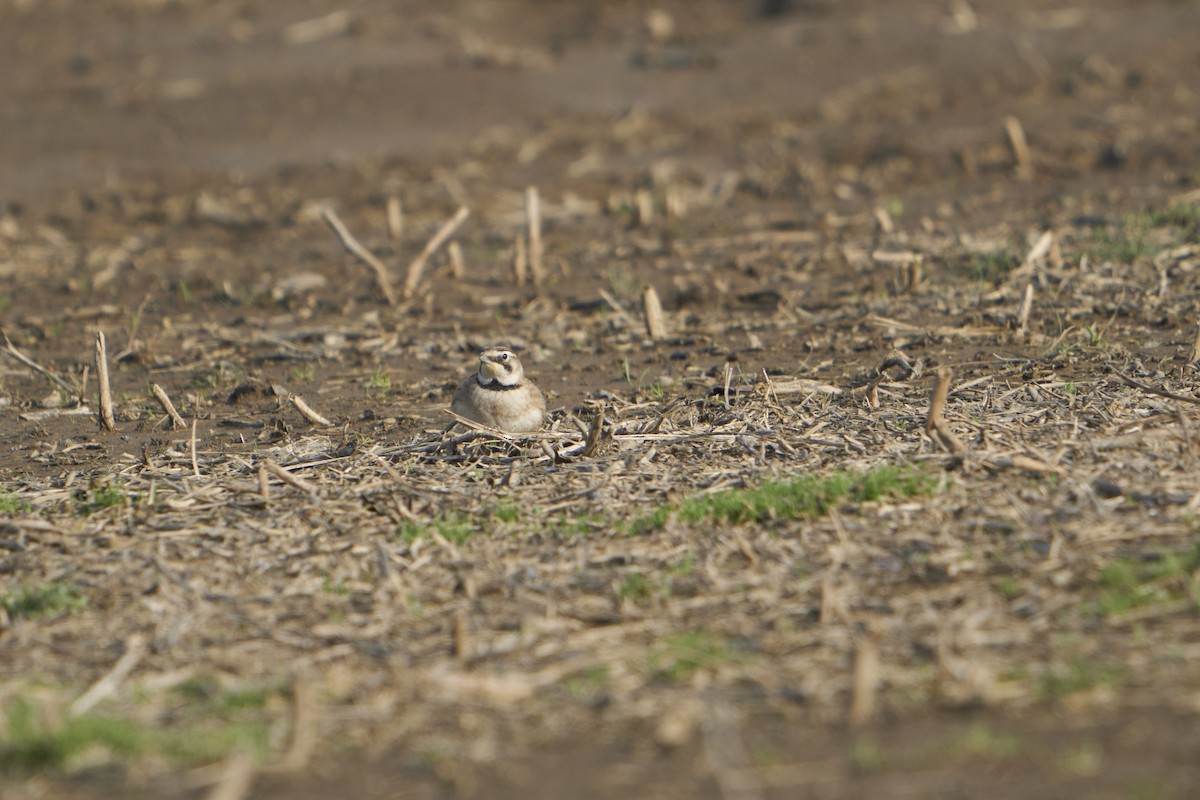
column 870, row 463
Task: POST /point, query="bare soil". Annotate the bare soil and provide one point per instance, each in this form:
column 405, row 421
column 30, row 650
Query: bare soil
column 833, row 200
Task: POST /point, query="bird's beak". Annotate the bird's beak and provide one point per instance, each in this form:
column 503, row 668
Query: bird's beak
column 489, row 367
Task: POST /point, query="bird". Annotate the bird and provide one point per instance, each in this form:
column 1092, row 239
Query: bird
column 499, row 395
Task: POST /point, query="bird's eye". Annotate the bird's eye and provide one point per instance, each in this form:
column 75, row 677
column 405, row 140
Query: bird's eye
column 503, row 356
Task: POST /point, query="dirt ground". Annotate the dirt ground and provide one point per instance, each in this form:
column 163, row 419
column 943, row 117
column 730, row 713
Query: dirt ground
column 836, row 201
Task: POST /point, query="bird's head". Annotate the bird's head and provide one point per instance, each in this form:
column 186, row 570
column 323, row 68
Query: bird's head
column 499, row 365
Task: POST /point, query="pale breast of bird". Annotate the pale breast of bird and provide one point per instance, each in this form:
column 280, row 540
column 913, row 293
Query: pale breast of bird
column 499, row 395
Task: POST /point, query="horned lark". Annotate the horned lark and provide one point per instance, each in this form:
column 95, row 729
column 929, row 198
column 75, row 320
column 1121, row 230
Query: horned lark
column 500, row 395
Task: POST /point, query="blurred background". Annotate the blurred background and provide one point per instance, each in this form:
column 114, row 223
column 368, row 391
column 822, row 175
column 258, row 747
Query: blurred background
column 94, row 91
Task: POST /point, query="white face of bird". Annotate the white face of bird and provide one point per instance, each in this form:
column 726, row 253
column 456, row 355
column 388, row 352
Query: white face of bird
column 501, row 366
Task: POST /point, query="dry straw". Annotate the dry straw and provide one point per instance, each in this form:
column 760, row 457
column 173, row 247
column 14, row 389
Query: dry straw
column 59, row 383
column 307, row 412
column 533, row 210
column 1020, row 148
column 935, row 424
column 416, row 267
column 520, row 261
column 160, row 395
column 355, row 248
column 107, row 422
column 395, row 219
column 656, row 323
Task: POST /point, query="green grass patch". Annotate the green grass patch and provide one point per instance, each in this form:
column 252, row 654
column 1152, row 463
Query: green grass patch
column 993, row 265
column 982, row 741
column 206, row 734
column 809, row 496
column 100, row 498
column 1009, row 587
column 379, row 383
column 585, row 524
column 636, row 587
column 642, row 388
column 253, row 697
column 978, row 742
column 337, row 587
column 679, row 656
column 507, row 513
column 209, row 743
column 1185, row 216
column 454, row 528
column 30, row 746
column 684, row 567
column 54, row 599
column 1128, row 584
column 867, row 756
column 12, row 505
column 653, row 521
column 1078, row 675
column 588, row 683
column 1130, row 240
column 1124, row 243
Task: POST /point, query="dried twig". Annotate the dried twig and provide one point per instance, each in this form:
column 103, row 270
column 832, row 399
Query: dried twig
column 520, row 261
column 865, row 688
column 478, row 427
column 417, row 267
column 1028, row 464
column 462, row 636
column 237, row 778
column 804, row 386
column 135, row 648
column 644, row 202
column 1194, row 355
column 308, row 413
column 675, row 203
column 1020, row 147
column 107, row 422
column 594, row 433
column 884, row 219
column 457, row 265
column 656, row 325
column 616, row 306
column 164, row 400
column 533, row 212
column 62, row 385
column 935, row 423
column 195, row 462
column 1183, row 398
column 1026, row 308
column 1040, row 249
column 355, row 248
column 294, row 481
column 54, row 413
column 304, row 724
column 313, row 30
column 395, row 218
